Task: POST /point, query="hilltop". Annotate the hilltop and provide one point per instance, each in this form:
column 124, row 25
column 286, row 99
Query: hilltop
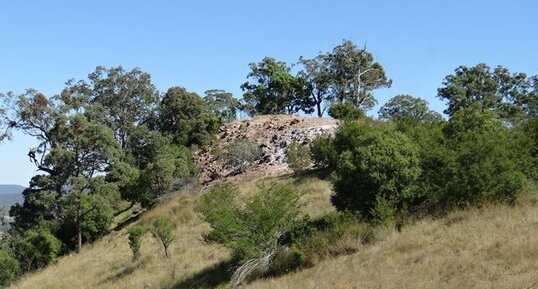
column 272, row 133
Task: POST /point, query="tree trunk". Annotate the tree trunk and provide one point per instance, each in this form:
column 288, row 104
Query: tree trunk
column 320, row 113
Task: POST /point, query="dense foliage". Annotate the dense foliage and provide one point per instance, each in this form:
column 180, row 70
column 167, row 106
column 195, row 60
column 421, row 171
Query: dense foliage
column 375, row 167
column 104, row 145
column 9, row 268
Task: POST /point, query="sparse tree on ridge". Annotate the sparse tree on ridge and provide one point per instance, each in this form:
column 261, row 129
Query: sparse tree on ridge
column 356, row 74
column 223, row 104
column 321, row 87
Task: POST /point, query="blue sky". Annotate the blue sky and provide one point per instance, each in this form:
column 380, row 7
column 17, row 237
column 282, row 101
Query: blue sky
column 208, row 44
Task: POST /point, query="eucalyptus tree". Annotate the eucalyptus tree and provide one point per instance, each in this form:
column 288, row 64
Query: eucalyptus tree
column 272, row 89
column 408, row 108
column 356, row 74
column 72, row 152
column 320, row 80
column 511, row 95
column 119, row 99
column 223, row 104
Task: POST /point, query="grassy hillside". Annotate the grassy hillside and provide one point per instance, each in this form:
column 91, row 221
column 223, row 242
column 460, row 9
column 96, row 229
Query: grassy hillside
column 492, row 247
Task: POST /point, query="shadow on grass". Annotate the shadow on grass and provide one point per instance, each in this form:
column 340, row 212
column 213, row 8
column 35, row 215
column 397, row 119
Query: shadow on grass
column 210, row 277
column 124, row 272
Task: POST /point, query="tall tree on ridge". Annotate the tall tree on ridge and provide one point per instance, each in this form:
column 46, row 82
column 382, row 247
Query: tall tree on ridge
column 356, row 74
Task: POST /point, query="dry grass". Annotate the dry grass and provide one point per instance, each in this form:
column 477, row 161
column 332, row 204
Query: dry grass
column 107, row 263
column 491, row 247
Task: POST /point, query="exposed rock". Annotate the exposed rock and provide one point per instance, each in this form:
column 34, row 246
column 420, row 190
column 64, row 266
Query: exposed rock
column 272, row 133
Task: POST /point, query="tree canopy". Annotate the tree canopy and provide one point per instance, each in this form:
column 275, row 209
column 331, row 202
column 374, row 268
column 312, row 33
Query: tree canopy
column 274, row 90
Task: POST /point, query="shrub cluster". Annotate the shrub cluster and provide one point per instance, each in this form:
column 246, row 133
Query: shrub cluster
column 384, row 170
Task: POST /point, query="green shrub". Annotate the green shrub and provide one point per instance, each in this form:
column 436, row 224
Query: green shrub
column 9, row 268
column 38, row 248
column 135, row 240
column 373, row 164
column 311, row 241
column 322, row 152
column 298, row 156
column 384, row 210
column 255, row 227
column 484, row 160
column 345, row 111
column 242, row 154
column 162, row 231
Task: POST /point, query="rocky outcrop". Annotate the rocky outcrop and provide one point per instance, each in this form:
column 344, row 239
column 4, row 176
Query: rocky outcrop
column 272, row 134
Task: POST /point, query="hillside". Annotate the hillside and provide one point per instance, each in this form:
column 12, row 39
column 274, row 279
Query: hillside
column 492, row 247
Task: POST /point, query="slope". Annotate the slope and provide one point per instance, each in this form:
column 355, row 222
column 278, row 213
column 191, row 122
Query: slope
column 491, row 247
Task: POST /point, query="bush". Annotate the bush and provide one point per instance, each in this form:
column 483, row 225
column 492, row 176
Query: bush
column 242, row 154
column 322, row 152
column 372, row 165
column 38, row 248
column 298, row 157
column 311, row 241
column 135, row 240
column 9, row 268
column 345, row 111
column 483, row 164
column 251, row 229
column 162, row 231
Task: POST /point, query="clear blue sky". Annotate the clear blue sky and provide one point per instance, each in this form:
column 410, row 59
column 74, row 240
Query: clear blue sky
column 208, row 44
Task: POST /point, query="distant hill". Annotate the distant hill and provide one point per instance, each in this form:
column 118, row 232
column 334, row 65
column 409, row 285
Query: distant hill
column 10, row 194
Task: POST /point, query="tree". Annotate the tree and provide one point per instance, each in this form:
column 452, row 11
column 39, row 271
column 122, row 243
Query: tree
column 186, row 117
column 5, row 124
column 498, row 90
column 316, row 72
column 72, row 151
column 37, row 248
column 408, row 108
column 483, row 158
column 223, row 104
column 162, row 231
column 355, row 74
column 117, row 98
column 274, row 90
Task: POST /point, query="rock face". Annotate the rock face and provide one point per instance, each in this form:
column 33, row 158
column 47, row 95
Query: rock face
column 272, row 134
